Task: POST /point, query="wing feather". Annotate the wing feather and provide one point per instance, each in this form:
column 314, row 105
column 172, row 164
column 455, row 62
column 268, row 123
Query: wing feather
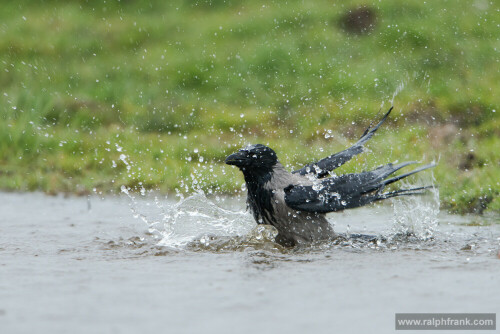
column 349, row 190
column 324, row 166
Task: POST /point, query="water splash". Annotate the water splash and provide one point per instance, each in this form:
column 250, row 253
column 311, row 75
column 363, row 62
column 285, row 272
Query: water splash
column 197, row 223
column 192, row 218
column 197, row 216
column 398, row 90
column 416, row 216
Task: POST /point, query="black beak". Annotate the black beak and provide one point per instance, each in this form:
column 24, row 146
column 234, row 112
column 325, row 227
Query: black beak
column 237, row 159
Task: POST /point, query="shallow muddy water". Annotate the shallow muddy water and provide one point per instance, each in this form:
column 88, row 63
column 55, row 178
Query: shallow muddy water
column 146, row 264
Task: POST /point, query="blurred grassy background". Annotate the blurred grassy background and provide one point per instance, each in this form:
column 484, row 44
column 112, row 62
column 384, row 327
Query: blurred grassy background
column 154, row 94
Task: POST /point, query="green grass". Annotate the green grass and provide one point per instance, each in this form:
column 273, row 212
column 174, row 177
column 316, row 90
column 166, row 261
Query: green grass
column 175, row 82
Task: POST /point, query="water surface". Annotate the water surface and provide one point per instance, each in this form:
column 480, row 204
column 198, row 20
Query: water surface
column 122, row 265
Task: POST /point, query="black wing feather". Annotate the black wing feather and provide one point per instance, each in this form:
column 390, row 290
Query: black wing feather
column 349, row 190
column 326, row 165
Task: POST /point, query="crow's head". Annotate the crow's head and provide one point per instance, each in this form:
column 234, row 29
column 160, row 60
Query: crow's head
column 253, row 157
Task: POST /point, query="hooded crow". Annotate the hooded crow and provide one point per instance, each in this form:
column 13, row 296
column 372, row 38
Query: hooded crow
column 296, row 203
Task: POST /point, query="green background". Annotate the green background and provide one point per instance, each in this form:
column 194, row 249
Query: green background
column 95, row 95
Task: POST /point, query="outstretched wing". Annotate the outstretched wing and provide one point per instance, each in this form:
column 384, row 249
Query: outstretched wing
column 350, row 190
column 326, row 165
